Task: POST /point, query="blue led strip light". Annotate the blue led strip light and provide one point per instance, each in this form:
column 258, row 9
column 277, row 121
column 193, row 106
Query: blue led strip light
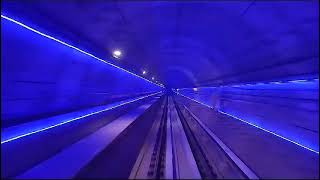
column 73, row 47
column 268, row 131
column 195, row 100
column 74, row 119
column 258, row 83
column 312, row 150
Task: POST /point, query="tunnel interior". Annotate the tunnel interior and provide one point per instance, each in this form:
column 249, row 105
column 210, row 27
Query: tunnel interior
column 159, row 89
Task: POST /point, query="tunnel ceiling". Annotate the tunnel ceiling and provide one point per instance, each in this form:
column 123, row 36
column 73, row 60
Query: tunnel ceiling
column 187, row 44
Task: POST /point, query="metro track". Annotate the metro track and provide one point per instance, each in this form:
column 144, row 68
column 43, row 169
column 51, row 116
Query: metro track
column 161, row 137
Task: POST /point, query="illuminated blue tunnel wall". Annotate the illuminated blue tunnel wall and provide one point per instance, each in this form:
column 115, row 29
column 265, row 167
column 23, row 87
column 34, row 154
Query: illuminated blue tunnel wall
column 41, row 78
column 289, row 109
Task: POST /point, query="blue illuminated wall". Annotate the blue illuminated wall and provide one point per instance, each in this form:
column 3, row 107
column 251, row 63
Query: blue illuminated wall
column 42, row 78
column 289, row 109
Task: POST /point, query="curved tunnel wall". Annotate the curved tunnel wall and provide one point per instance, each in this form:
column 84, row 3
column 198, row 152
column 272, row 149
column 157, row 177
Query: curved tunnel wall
column 289, row 109
column 42, row 78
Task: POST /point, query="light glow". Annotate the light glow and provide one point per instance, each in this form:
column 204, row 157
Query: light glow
column 116, row 54
column 73, row 47
column 260, row 83
column 77, row 118
column 300, row 80
column 275, row 82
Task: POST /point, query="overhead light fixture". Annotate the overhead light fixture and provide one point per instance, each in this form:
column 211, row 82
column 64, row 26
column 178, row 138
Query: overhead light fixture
column 152, row 78
column 144, row 72
column 116, row 54
column 195, row 89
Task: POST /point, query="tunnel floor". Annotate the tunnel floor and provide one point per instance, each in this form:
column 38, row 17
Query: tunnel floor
column 162, row 136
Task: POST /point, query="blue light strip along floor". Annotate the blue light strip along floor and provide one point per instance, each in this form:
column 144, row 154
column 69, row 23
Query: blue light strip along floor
column 230, row 115
column 73, row 47
column 19, row 131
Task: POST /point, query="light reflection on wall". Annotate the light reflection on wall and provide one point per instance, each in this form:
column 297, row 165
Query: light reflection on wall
column 287, row 108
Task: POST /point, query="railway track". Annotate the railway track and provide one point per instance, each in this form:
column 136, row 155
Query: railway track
column 178, row 147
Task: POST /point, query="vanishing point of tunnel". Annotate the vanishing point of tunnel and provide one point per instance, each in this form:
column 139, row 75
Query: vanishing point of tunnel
column 220, row 89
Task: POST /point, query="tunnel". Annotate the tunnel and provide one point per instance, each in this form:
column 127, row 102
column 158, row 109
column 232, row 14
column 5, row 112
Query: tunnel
column 159, row 89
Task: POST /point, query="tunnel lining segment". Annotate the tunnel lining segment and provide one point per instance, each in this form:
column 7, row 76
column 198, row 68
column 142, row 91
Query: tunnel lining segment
column 70, row 120
column 251, row 124
column 75, row 48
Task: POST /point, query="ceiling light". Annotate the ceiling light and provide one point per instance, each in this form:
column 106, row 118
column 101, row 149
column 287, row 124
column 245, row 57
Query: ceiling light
column 116, row 53
column 144, row 72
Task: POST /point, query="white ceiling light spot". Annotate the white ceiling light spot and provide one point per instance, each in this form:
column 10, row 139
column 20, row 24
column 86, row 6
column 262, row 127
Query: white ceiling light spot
column 116, row 54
